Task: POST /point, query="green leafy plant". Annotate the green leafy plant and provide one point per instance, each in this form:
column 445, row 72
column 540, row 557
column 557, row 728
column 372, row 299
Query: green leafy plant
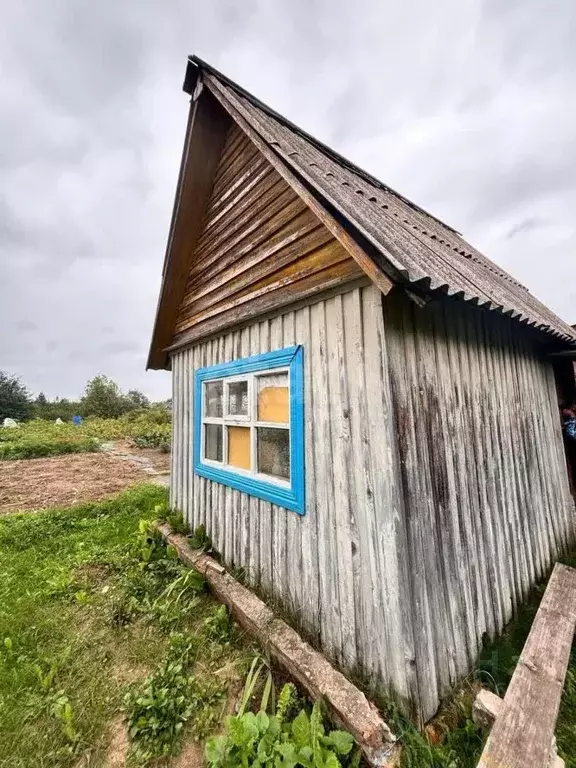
column 200, row 539
column 46, row 679
column 150, row 545
column 157, row 711
column 177, row 522
column 37, row 447
column 62, row 709
column 219, row 625
column 260, row 739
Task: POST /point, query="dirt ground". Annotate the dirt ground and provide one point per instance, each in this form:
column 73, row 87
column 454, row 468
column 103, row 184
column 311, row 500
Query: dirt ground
column 160, row 461
column 35, row 484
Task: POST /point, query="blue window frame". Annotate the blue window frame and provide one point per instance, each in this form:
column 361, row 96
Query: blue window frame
column 249, row 426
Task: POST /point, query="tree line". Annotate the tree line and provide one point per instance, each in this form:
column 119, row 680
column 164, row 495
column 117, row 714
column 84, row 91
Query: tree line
column 102, row 397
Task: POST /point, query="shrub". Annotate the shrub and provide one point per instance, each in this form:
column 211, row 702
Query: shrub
column 37, row 447
column 45, row 438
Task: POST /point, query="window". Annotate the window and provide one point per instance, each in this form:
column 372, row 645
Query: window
column 249, row 426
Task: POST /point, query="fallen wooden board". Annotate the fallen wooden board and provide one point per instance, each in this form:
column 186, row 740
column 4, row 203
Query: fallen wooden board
column 348, row 706
column 486, row 709
column 523, row 730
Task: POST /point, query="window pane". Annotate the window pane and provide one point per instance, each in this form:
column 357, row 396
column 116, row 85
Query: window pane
column 213, row 442
column 274, row 451
column 273, row 398
column 239, row 447
column 238, row 398
column 213, row 399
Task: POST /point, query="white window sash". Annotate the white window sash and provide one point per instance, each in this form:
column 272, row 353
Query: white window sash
column 250, row 421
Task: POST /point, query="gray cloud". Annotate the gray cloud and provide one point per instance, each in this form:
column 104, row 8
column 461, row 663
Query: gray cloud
column 467, row 107
column 526, row 225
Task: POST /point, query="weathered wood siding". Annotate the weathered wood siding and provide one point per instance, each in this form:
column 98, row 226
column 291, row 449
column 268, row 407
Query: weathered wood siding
column 488, row 507
column 260, row 246
column 436, row 485
column 339, row 569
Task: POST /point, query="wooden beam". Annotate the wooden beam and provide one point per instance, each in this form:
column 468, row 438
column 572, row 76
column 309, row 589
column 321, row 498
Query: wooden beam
column 347, row 705
column 522, row 733
column 364, row 261
column 207, row 128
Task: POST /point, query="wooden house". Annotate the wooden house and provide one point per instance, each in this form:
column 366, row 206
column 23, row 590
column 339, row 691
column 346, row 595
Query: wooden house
column 364, row 408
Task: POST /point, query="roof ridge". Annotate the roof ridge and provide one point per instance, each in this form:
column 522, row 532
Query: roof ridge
column 201, row 64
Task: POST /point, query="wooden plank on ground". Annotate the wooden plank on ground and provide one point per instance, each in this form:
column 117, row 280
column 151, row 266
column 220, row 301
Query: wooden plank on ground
column 523, row 731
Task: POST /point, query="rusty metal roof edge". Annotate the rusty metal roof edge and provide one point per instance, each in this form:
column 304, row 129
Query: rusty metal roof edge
column 190, row 81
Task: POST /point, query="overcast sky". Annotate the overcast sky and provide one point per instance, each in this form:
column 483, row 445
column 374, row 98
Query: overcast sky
column 466, row 107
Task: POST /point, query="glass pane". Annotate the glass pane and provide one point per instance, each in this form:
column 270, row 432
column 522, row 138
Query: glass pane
column 213, row 399
column 238, row 398
column 239, row 447
column 274, row 451
column 273, row 398
column 213, row 442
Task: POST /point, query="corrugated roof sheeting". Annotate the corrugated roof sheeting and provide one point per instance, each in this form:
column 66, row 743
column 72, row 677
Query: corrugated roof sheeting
column 419, row 247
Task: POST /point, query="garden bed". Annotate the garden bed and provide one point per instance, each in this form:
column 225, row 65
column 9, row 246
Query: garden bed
column 35, row 484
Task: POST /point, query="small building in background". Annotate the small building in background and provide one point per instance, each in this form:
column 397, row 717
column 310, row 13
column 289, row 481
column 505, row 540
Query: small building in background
column 365, row 414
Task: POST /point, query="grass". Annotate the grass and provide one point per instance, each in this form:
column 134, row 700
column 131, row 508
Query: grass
column 97, row 619
column 90, row 623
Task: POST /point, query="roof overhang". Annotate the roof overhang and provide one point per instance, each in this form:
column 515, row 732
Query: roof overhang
column 392, row 239
column 208, row 123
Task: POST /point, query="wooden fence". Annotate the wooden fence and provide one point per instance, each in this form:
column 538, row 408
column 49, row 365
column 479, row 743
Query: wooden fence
column 523, row 732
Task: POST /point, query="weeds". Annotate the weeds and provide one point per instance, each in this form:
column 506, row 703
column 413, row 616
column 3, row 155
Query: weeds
column 200, row 540
column 262, row 739
column 84, row 592
column 176, row 521
column 219, row 626
column 38, row 447
column 41, row 438
column 157, row 712
column 461, row 747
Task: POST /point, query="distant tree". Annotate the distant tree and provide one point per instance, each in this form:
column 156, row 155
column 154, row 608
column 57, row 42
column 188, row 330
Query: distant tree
column 15, row 400
column 102, row 397
column 64, row 409
column 41, row 407
column 137, row 399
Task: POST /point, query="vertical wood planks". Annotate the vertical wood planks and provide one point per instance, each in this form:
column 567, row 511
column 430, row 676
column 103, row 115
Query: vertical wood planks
column 435, row 484
column 479, row 451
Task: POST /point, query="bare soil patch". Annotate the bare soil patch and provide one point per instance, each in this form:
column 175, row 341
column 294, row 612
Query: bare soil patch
column 192, row 756
column 62, row 481
column 159, row 461
column 119, row 744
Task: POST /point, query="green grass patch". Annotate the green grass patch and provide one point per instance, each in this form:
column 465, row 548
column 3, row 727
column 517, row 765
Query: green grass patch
column 98, row 618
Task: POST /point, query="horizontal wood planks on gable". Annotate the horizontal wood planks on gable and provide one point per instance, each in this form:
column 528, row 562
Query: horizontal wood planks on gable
column 260, row 247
